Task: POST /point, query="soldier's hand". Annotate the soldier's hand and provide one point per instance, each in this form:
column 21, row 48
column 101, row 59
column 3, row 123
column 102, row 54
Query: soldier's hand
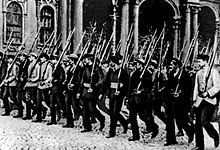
column 100, row 96
column 138, row 92
column 77, row 95
column 90, row 90
column 117, row 92
column 22, row 79
column 70, row 86
column 204, row 95
column 218, row 113
column 162, row 109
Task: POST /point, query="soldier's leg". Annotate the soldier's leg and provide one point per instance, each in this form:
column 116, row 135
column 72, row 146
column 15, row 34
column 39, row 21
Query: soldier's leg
column 6, row 102
column 117, row 109
column 39, row 105
column 96, row 113
column 69, row 115
column 20, row 98
column 76, row 107
column 86, row 116
column 133, row 121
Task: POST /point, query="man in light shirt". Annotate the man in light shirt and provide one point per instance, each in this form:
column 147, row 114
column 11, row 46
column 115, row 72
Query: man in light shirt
column 205, row 89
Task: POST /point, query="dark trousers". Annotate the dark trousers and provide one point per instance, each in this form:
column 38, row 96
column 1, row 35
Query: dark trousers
column 20, row 98
column 157, row 104
column 71, row 100
column 145, row 112
column 102, row 106
column 31, row 100
column 115, row 105
column 56, row 98
column 42, row 95
column 170, row 124
column 89, row 101
column 182, row 118
column 203, row 118
column 9, row 91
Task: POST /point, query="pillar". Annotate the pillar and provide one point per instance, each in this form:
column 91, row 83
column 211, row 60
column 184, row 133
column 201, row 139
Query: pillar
column 63, row 22
column 176, row 36
column 195, row 11
column 135, row 24
column 187, row 32
column 124, row 25
column 78, row 24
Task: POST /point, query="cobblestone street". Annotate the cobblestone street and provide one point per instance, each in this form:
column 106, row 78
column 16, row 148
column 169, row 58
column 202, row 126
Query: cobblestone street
column 17, row 134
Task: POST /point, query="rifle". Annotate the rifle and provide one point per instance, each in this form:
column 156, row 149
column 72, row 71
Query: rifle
column 191, row 46
column 211, row 62
column 145, row 68
column 38, row 58
column 70, row 86
column 91, row 74
column 128, row 42
column 66, row 47
column 150, row 45
column 14, row 60
column 35, row 39
column 106, row 47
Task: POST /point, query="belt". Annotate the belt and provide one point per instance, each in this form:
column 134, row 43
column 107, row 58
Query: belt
column 88, row 85
column 114, row 85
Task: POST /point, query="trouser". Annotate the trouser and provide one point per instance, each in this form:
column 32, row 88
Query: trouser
column 71, row 100
column 102, row 106
column 31, row 100
column 145, row 112
column 89, row 107
column 203, row 118
column 170, row 124
column 157, row 104
column 182, row 118
column 56, row 97
column 42, row 95
column 20, row 98
column 115, row 105
column 9, row 91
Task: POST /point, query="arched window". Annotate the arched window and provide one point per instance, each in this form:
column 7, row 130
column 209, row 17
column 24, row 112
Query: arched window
column 14, row 22
column 47, row 22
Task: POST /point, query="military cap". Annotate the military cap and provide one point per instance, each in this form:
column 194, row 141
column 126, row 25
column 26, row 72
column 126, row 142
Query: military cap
column 176, row 61
column 44, row 55
column 1, row 54
column 33, row 54
column 139, row 60
column 23, row 54
column 10, row 56
column 115, row 59
column 203, row 57
column 54, row 56
column 88, row 55
column 73, row 56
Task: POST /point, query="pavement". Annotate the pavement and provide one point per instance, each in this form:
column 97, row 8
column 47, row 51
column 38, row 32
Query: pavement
column 18, row 134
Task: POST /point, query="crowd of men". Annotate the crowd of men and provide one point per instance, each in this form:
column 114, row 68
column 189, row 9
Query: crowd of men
column 79, row 85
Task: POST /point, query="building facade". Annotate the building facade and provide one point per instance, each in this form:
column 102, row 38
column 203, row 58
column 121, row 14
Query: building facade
column 181, row 18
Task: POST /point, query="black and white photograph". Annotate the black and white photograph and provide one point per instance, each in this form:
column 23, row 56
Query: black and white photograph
column 109, row 74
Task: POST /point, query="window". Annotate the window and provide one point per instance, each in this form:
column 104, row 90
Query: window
column 47, row 22
column 14, row 23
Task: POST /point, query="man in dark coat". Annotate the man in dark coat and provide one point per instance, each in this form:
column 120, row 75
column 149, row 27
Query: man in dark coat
column 175, row 97
column 90, row 83
column 140, row 101
column 56, row 91
column 71, row 89
column 22, row 79
column 116, row 81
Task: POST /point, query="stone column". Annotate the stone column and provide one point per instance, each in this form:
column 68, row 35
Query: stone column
column 176, row 36
column 135, row 24
column 187, row 32
column 114, row 21
column 63, row 21
column 195, row 11
column 78, row 24
column 124, row 25
column 215, row 44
